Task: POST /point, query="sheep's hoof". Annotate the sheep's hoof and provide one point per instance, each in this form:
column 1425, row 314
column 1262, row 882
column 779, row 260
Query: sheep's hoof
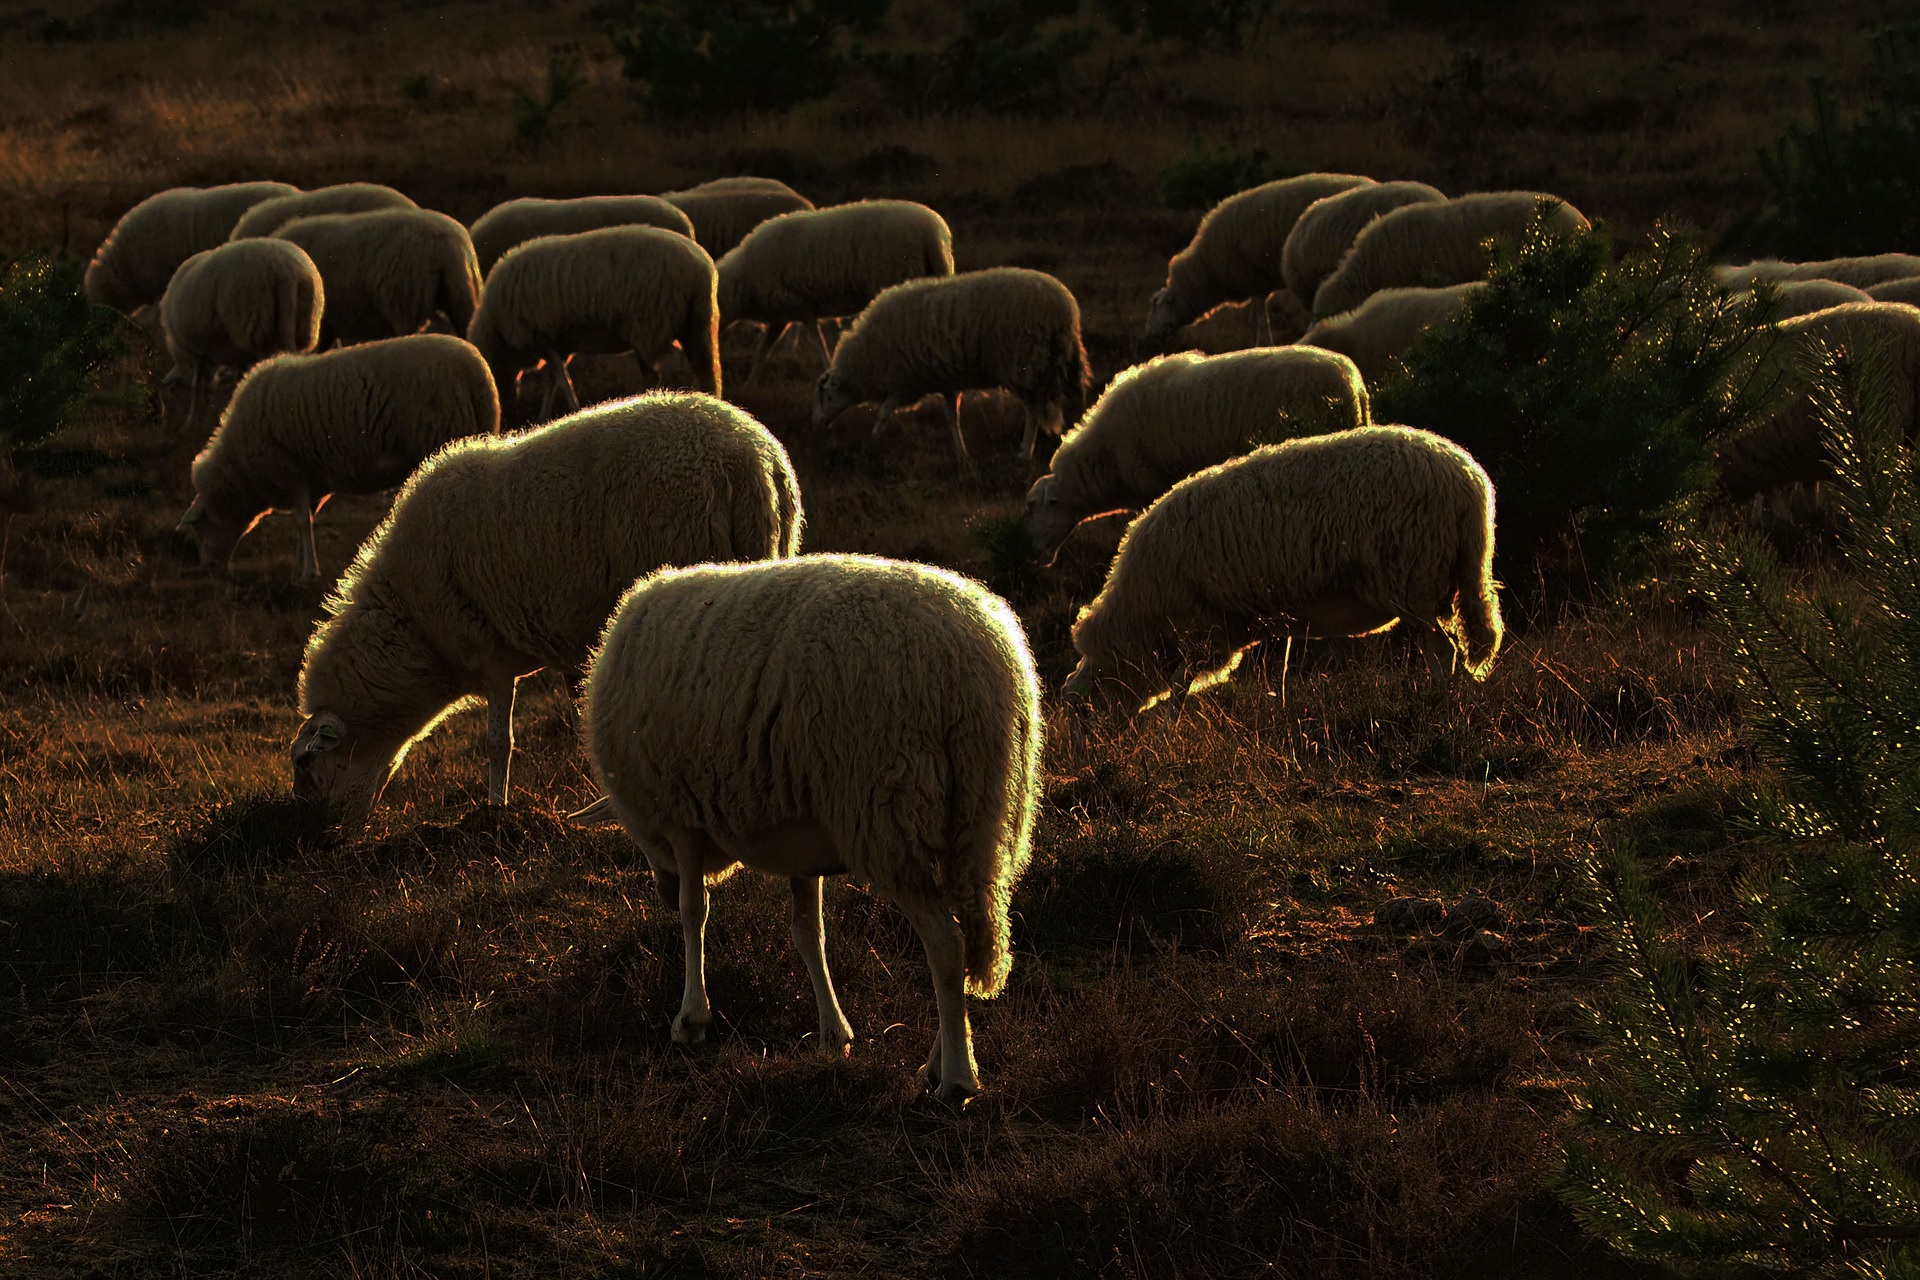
column 687, row 1031
column 951, row 1092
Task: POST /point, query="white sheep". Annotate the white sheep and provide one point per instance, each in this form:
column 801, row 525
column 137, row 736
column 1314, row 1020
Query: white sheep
column 301, row 428
column 389, row 272
column 1332, row 535
column 1159, row 422
column 1435, row 244
column 1235, row 253
column 505, row 554
column 724, row 210
column 1786, row 447
column 1386, row 324
column 269, row 216
column 1861, row 273
column 517, row 221
column 1905, row 290
column 819, row 716
column 238, row 303
column 637, row 289
column 1803, row 297
column 1003, row 327
column 1325, row 231
column 814, row 264
column 131, row 268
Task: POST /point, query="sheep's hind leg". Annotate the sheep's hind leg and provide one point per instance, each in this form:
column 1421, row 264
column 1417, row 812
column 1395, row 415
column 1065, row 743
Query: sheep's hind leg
column 769, row 339
column 820, row 336
column 887, row 407
column 566, row 383
column 499, row 694
column 696, row 1015
column 953, row 421
column 950, row 1071
column 810, row 940
column 1262, row 322
column 308, row 560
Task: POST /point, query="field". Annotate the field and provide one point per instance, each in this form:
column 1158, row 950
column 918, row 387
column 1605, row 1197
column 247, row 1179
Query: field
column 229, row 1047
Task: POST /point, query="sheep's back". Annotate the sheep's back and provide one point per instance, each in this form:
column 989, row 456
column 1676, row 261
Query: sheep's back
column 517, row 221
column 1241, row 240
column 1324, row 230
column 146, row 246
column 265, row 218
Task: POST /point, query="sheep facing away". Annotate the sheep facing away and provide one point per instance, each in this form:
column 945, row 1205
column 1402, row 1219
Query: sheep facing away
column 1161, row 421
column 638, row 289
column 235, row 304
column 505, row 554
column 269, row 216
column 893, row 716
column 1861, row 273
column 1332, row 535
column 518, row 221
column 1804, row 297
column 131, row 268
column 724, row 210
column 1386, row 324
column 1905, row 290
column 1235, row 254
column 1004, row 327
column 1323, row 233
column 804, row 267
column 301, row 428
column 1435, row 244
column 388, row 272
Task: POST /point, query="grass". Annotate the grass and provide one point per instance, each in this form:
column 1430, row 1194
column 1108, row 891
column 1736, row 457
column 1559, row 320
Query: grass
column 230, row 1046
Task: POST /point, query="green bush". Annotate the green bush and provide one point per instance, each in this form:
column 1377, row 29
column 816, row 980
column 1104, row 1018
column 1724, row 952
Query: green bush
column 1591, row 389
column 53, row 342
column 698, row 58
column 1005, row 57
column 533, row 117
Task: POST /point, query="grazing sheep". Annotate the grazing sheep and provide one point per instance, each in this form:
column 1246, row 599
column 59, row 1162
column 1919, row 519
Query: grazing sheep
column 1159, row 422
column 803, row 267
column 237, row 303
column 1804, row 297
column 1386, row 324
column 1786, row 447
column 517, row 221
column 131, row 268
column 1861, row 273
column 388, row 272
column 1332, row 535
column 1323, row 234
column 725, row 209
column 301, row 428
column 637, row 289
column 1004, row 327
column 269, row 216
column 1434, row 244
column 824, row 715
column 505, row 554
column 1235, row 254
column 1905, row 290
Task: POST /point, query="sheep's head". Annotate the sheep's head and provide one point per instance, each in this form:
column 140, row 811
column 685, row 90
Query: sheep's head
column 216, row 532
column 1165, row 314
column 337, row 770
column 832, row 396
column 1048, row 521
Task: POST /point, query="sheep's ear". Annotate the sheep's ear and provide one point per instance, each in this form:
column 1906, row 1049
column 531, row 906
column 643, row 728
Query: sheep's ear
column 322, row 732
column 194, row 512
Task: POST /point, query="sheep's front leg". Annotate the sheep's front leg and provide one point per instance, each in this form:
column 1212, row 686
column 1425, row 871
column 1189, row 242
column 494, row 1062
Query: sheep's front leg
column 566, row 382
column 1262, row 323
column 546, row 397
column 308, row 558
column 769, row 339
column 953, row 422
column 1031, row 435
column 820, row 336
column 887, row 407
column 810, row 940
column 696, row 1015
column 499, row 694
column 950, row 1071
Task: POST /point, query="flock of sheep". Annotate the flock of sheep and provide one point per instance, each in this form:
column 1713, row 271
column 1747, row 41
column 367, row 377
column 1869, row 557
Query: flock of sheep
column 806, row 715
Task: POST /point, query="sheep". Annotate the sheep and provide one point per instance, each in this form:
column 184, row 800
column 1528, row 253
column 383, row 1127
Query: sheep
column 806, row 266
column 1332, row 535
column 131, row 268
column 725, row 209
column 357, row 420
column 1803, row 297
column 238, row 303
column 823, row 715
column 1905, row 290
column 389, row 271
column 1003, row 327
column 505, row 554
column 1161, row 421
column 517, row 221
column 269, row 216
column 1235, row 253
column 1786, row 447
column 1434, row 244
column 1859, row 272
column 1324, row 232
column 630, row 288
column 1386, row 324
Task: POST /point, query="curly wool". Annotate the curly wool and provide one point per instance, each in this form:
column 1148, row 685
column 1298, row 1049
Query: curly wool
column 388, row 272
column 1324, row 232
column 518, row 221
column 131, row 268
column 724, row 210
column 241, row 302
column 269, row 216
column 815, row 263
column 1333, row 535
column 1386, row 324
column 894, row 704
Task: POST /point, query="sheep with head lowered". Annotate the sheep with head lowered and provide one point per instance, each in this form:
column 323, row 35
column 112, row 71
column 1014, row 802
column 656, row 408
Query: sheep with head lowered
column 518, row 221
column 638, row 289
column 1435, row 244
column 827, row 715
column 505, row 554
column 1159, row 422
column 1803, row 297
column 1333, row 535
column 235, row 304
column 724, row 210
column 1003, row 327
column 1386, row 324
column 131, row 268
column 389, row 272
column 1235, row 254
column 269, row 216
column 815, row 264
column 1860, row 272
column 301, row 428
column 1325, row 231
column 1905, row 290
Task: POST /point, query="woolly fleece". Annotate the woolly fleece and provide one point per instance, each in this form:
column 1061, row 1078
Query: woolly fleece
column 131, row 268
column 1322, row 235
column 388, row 272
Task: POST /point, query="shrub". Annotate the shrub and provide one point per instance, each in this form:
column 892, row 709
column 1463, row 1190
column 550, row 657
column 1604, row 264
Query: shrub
column 1230, row 23
column 1005, row 57
column 1591, row 390
column 747, row 55
column 53, row 343
column 533, row 117
column 1205, row 178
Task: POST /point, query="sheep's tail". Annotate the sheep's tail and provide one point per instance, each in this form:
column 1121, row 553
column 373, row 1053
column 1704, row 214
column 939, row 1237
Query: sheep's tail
column 985, row 931
column 1479, row 609
column 700, row 340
